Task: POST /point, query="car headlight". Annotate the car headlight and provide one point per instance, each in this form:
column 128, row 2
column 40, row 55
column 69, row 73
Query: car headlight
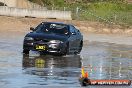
column 55, row 41
column 29, row 38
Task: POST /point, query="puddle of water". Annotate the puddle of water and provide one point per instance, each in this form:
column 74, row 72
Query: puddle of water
column 107, row 61
column 101, row 60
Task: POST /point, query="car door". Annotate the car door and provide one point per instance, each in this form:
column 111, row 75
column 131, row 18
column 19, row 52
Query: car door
column 78, row 38
column 72, row 39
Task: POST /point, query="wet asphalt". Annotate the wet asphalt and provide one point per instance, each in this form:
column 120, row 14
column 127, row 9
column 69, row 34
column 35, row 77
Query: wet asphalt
column 101, row 60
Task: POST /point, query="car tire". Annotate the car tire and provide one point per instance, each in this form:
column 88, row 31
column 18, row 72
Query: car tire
column 80, row 47
column 58, row 54
column 66, row 52
column 25, row 51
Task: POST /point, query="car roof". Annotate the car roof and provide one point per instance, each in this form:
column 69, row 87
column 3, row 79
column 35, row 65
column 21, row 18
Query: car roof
column 57, row 23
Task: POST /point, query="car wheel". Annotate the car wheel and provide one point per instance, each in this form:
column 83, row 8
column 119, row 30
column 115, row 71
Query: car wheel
column 25, row 51
column 58, row 54
column 80, row 47
column 66, row 49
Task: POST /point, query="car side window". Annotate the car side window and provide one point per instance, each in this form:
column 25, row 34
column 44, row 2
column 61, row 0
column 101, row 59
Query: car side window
column 71, row 29
column 74, row 30
column 39, row 27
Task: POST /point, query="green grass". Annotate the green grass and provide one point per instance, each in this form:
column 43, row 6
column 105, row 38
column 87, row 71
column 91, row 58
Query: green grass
column 119, row 13
column 115, row 11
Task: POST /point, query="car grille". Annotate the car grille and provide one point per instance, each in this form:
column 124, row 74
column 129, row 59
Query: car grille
column 44, row 40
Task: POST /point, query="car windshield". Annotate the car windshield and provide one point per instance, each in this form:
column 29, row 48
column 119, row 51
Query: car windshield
column 52, row 28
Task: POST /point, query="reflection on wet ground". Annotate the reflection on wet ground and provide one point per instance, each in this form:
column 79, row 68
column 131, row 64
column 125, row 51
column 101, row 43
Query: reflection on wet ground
column 101, row 60
column 52, row 66
column 53, row 70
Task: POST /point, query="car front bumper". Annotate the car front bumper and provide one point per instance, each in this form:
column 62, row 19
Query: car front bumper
column 45, row 47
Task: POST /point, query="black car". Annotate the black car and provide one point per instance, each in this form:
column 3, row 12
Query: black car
column 54, row 38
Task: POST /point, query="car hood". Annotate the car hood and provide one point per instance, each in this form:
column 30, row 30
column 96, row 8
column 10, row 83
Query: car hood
column 50, row 36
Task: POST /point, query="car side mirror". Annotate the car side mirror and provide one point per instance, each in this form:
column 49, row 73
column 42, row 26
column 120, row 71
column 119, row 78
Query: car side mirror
column 73, row 33
column 32, row 29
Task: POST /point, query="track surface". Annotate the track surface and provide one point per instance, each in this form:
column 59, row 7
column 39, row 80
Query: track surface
column 101, row 60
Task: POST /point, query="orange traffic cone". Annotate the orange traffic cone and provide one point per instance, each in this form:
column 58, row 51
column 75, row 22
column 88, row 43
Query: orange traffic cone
column 84, row 74
column 84, row 81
